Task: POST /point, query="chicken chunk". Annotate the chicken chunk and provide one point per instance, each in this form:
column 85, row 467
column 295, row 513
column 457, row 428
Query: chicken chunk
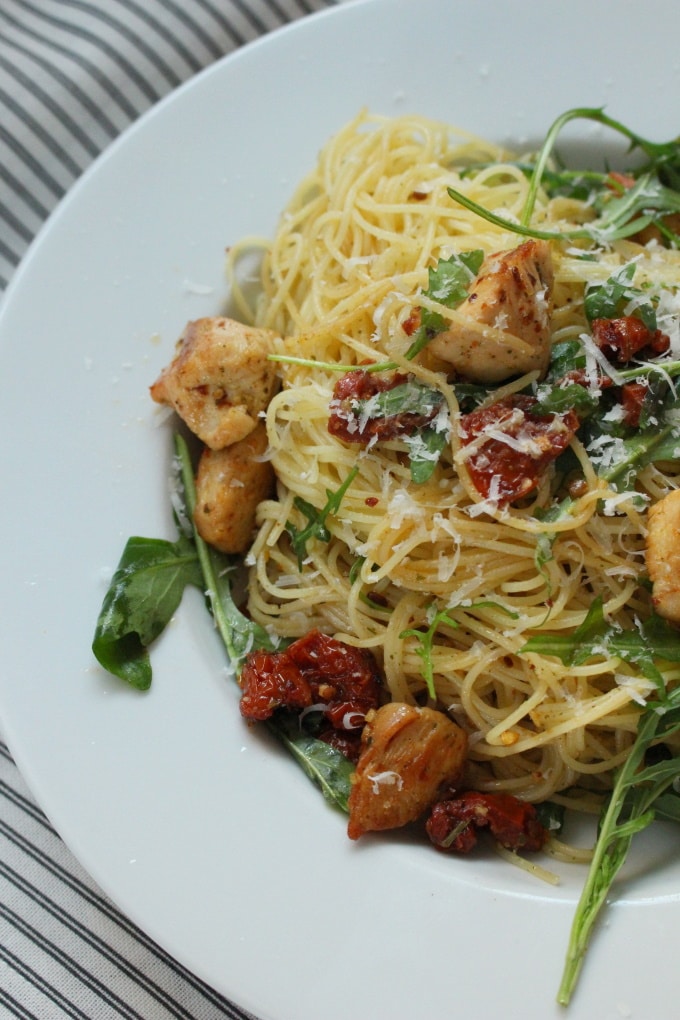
column 502, row 329
column 220, row 379
column 663, row 555
column 408, row 755
column 230, row 483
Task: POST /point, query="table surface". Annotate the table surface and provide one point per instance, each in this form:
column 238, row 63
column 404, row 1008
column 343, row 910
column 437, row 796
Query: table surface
column 73, row 75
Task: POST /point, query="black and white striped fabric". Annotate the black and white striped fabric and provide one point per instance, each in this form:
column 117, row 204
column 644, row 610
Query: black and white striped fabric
column 73, row 75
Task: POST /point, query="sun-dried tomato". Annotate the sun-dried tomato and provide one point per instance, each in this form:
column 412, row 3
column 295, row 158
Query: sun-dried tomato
column 315, row 670
column 453, row 824
column 621, row 339
column 350, row 418
column 513, row 447
column 632, row 398
column 270, row 680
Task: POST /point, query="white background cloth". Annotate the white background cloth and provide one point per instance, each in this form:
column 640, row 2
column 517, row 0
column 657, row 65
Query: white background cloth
column 73, row 75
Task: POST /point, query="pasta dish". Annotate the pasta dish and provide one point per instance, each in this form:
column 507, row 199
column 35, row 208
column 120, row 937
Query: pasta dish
column 443, row 440
column 476, row 573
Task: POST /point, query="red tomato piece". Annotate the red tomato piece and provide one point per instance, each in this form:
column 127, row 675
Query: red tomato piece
column 513, row 447
column 347, row 422
column 621, row 339
column 453, row 824
column 314, row 670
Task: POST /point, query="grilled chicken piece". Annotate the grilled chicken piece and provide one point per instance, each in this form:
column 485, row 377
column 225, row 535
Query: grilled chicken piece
column 220, row 379
column 663, row 555
column 502, row 329
column 229, row 485
column 408, row 755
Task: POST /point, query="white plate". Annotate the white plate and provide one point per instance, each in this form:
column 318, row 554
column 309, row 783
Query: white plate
column 211, row 840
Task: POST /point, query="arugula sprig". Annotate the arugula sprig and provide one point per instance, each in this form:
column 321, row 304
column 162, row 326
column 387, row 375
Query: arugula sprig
column 324, row 765
column 239, row 633
column 442, row 618
column 638, row 796
column 425, row 643
column 640, row 791
column 147, row 587
column 653, row 195
column 316, row 519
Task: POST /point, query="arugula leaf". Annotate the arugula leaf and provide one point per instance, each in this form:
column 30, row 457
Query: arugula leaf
column 565, row 356
column 608, row 300
column 653, row 195
column 654, row 639
column 425, row 447
column 628, row 456
column 448, row 284
column 550, row 815
column 667, row 807
column 573, row 649
column 316, row 519
column 637, row 207
column 558, row 399
column 470, row 395
column 409, row 397
column 330, row 770
column 142, row 597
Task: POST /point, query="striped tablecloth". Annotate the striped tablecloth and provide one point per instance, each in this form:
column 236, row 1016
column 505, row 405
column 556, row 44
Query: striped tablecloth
column 73, row 75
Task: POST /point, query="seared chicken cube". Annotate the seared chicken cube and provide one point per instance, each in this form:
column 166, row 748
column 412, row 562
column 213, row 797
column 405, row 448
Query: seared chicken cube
column 220, row 379
column 230, row 483
column 663, row 555
column 408, row 755
column 502, row 329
